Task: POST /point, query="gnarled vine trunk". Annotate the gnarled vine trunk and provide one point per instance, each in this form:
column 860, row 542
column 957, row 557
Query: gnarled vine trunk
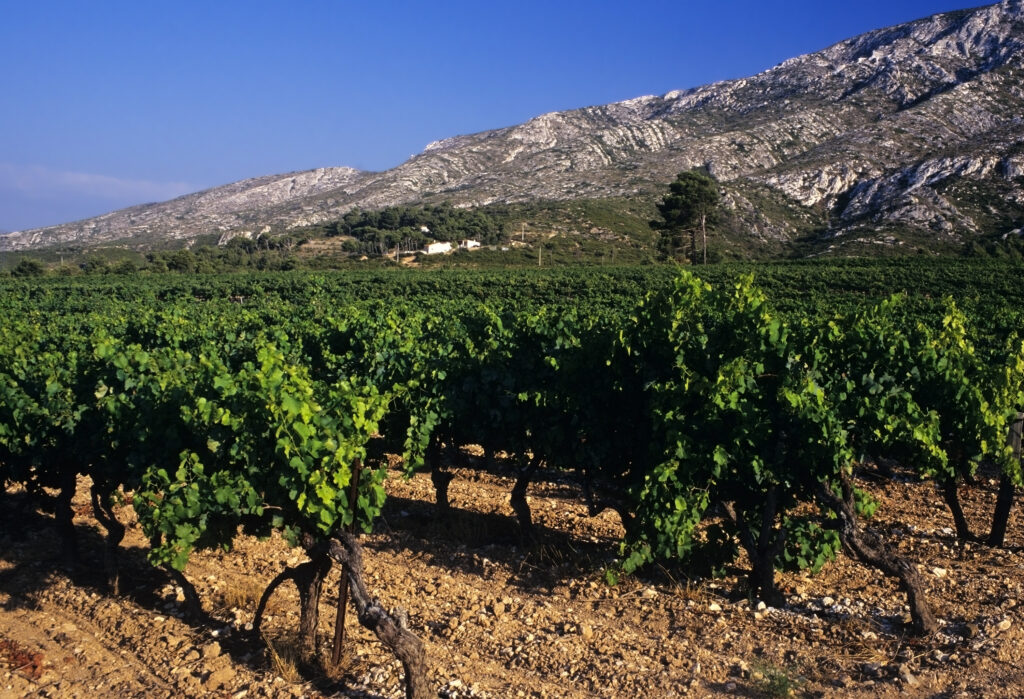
column 439, row 477
column 950, row 493
column 1007, row 490
column 309, row 580
column 104, row 514
column 518, row 501
column 392, row 630
column 867, row 548
column 1001, row 516
column 764, row 550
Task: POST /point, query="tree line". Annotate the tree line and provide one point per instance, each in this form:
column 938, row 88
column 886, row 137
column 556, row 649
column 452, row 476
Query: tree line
column 411, row 227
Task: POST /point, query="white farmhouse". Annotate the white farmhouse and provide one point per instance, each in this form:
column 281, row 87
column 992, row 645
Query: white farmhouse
column 469, row 244
column 437, row 248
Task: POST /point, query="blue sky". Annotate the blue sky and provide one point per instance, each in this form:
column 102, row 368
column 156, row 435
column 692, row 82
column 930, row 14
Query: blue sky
column 108, row 104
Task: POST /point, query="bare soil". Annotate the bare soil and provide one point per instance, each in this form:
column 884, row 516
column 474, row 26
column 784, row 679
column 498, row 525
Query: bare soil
column 502, row 620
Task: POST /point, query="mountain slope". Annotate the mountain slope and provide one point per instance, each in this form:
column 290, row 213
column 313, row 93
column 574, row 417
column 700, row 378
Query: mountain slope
column 914, row 128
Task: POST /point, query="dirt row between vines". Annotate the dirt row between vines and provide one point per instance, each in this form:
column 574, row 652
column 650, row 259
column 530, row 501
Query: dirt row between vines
column 500, row 620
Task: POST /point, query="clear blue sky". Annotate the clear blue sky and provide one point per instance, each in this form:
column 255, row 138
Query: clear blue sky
column 108, row 104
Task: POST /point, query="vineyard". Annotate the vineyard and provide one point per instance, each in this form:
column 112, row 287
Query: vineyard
column 741, row 424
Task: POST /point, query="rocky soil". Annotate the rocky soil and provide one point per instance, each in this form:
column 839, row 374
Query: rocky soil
column 502, row 620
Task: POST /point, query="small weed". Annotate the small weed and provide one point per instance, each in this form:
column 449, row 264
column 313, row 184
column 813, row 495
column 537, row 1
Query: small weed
column 774, row 681
column 611, row 577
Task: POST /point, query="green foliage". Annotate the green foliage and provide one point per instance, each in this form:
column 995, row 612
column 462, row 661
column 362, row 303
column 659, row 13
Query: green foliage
column 710, row 412
column 383, row 229
column 922, row 392
column 774, row 681
column 693, row 195
column 691, row 205
column 739, row 421
column 28, row 267
column 809, row 546
column 261, row 445
column 43, row 418
column 263, row 253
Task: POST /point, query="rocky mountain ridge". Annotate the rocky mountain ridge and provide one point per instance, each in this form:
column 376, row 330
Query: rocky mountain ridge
column 913, row 131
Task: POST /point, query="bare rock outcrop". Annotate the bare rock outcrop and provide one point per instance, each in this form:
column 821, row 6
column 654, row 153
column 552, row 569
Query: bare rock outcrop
column 871, row 131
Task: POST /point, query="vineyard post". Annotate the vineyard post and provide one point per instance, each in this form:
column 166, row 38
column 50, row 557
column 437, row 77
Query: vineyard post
column 339, row 621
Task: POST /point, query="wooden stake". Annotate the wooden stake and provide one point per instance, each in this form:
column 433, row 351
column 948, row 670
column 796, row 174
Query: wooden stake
column 392, row 629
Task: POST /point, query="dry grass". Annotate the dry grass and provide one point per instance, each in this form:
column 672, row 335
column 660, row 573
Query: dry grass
column 866, row 649
column 242, row 594
column 285, row 656
column 696, row 592
column 349, row 663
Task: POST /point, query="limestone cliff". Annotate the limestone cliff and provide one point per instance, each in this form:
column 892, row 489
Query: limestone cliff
column 877, row 133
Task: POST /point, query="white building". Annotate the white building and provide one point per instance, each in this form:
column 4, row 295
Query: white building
column 437, row 248
column 469, row 244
